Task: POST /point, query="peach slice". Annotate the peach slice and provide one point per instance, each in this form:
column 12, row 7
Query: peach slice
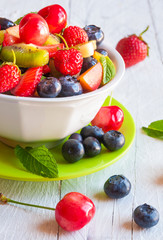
column 91, row 79
column 14, row 31
column 86, row 49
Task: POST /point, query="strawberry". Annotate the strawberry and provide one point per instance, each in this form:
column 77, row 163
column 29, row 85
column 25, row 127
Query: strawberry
column 28, row 82
column 9, row 76
column 45, row 69
column 75, row 35
column 68, row 61
column 133, row 49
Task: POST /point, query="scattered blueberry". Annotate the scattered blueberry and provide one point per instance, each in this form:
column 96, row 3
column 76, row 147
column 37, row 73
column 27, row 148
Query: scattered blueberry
column 92, row 146
column 113, row 140
column 117, row 186
column 94, row 33
column 146, row 216
column 88, row 63
column 5, row 23
column 49, row 87
column 102, row 51
column 72, row 150
column 76, row 136
column 92, row 131
column 70, row 86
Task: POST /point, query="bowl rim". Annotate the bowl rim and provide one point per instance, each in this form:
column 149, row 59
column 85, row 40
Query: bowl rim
column 119, row 74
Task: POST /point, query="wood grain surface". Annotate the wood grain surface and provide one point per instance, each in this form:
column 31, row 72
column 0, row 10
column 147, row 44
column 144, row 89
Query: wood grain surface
column 141, row 92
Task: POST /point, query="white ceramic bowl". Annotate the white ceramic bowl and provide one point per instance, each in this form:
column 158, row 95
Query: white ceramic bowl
column 32, row 120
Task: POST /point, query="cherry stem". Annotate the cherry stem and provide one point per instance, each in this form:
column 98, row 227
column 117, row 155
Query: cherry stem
column 110, row 100
column 4, row 199
column 62, row 40
column 14, row 57
column 144, row 31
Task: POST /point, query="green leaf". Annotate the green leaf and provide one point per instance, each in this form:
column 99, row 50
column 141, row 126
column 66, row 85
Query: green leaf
column 155, row 129
column 19, row 19
column 158, row 125
column 109, row 70
column 38, row 160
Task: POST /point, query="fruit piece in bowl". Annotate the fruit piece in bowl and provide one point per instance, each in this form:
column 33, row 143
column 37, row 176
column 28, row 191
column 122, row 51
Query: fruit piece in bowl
column 29, row 117
column 33, row 121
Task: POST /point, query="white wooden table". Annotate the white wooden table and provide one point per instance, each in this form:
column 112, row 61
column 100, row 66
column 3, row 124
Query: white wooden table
column 141, row 92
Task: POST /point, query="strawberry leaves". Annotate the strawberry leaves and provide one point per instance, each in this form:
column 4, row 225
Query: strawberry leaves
column 155, row 129
column 38, row 160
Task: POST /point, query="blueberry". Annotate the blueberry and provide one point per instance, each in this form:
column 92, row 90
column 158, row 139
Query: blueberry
column 72, row 150
column 88, row 63
column 5, row 23
column 92, row 146
column 70, row 86
column 113, row 140
column 117, row 186
column 49, row 87
column 23, row 70
column 146, row 216
column 102, row 51
column 94, row 33
column 92, row 131
column 76, row 136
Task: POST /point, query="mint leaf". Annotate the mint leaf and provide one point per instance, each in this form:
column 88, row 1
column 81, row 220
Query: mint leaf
column 38, row 160
column 158, row 125
column 155, row 129
column 19, row 19
column 109, row 70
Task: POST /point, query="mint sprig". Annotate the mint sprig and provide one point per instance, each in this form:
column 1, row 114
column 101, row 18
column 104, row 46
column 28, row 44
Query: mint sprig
column 38, row 160
column 155, row 129
column 109, row 70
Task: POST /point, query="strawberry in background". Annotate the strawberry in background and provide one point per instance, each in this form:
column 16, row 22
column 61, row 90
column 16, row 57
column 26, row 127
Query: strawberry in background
column 133, row 49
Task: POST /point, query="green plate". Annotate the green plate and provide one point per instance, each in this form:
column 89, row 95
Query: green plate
column 11, row 168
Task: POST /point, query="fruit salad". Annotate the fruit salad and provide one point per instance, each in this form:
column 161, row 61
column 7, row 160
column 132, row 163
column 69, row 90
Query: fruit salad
column 41, row 56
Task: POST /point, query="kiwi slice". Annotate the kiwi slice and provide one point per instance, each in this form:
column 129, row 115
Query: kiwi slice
column 27, row 55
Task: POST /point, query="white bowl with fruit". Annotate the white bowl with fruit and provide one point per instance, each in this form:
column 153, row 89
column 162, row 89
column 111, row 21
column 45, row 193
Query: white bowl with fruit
column 37, row 109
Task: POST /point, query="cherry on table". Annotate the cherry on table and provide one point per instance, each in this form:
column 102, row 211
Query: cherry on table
column 74, row 211
column 109, row 118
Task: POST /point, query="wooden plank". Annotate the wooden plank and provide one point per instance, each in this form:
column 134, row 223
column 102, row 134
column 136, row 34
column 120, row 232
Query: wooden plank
column 20, row 222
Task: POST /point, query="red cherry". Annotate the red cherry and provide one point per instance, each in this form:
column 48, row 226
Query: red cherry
column 109, row 118
column 55, row 16
column 74, row 211
column 33, row 29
